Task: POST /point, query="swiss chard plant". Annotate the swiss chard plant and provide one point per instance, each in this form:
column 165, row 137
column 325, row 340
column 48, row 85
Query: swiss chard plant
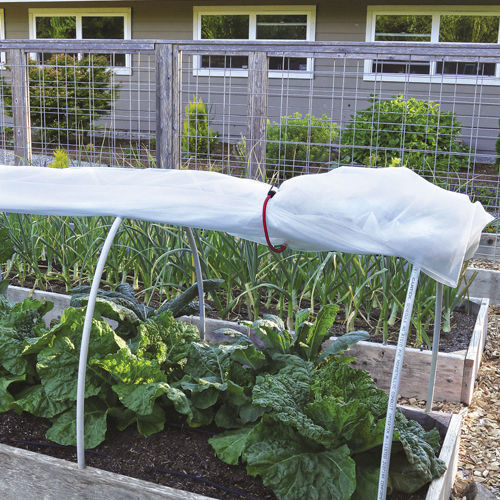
column 304, row 420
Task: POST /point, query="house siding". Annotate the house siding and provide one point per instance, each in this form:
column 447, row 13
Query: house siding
column 341, row 20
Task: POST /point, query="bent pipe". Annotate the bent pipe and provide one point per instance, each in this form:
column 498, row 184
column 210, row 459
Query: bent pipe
column 435, row 346
column 84, row 347
column 199, row 279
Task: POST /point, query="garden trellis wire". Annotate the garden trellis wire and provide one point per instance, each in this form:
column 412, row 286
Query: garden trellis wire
column 390, row 211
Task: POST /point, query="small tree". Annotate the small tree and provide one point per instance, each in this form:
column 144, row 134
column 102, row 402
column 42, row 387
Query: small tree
column 67, row 95
column 198, row 138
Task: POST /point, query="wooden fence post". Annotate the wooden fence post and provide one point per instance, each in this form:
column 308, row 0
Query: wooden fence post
column 168, row 74
column 257, row 115
column 20, row 107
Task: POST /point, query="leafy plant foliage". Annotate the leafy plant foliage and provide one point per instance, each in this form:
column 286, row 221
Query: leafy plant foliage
column 403, row 131
column 198, row 138
column 296, row 141
column 67, row 95
column 304, row 420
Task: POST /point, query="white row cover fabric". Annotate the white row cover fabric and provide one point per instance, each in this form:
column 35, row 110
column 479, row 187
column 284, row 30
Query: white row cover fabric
column 390, row 211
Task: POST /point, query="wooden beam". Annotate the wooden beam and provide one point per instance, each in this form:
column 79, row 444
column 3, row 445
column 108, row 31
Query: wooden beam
column 168, row 75
column 257, row 115
column 20, row 107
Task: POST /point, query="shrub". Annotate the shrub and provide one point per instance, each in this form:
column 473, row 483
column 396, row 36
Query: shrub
column 61, row 159
column 198, row 138
column 410, row 132
column 297, row 141
column 67, row 96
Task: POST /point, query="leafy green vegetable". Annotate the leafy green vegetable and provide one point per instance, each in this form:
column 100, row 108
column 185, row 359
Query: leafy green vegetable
column 34, row 400
column 230, row 445
column 18, row 324
column 287, row 464
column 165, row 340
column 63, row 430
column 57, row 364
column 421, row 464
column 6, row 399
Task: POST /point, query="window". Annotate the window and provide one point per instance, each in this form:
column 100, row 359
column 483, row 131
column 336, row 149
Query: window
column 455, row 24
column 83, row 24
column 282, row 23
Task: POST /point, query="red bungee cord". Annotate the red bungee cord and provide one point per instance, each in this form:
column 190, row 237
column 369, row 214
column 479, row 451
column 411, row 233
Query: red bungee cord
column 282, row 248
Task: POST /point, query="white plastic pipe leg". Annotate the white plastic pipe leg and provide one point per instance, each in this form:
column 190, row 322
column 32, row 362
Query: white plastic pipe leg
column 199, row 279
column 84, row 347
column 396, row 377
column 435, row 346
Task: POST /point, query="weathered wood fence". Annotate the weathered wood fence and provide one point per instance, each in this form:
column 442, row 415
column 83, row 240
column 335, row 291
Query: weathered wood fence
column 168, row 76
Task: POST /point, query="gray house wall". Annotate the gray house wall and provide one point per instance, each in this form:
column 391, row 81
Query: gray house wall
column 336, row 20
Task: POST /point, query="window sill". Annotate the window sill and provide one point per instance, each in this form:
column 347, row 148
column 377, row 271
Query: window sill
column 452, row 80
column 243, row 73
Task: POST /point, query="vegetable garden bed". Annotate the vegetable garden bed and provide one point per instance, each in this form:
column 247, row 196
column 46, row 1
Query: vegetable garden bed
column 37, row 474
column 456, row 372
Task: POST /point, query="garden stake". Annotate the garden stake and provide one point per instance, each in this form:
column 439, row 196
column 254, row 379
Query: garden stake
column 396, row 377
column 199, row 279
column 435, row 346
column 84, row 347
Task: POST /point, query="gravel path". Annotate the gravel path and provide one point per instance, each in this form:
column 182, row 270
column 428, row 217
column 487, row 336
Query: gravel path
column 479, row 458
column 7, row 158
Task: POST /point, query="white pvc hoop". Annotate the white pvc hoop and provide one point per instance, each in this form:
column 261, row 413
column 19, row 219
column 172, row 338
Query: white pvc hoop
column 87, row 326
column 396, row 378
column 84, row 346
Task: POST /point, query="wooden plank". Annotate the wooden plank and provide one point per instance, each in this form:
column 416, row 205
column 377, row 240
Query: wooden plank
column 163, row 56
column 20, row 107
column 475, row 352
column 440, row 488
column 32, row 476
column 257, row 115
column 168, row 75
column 176, row 119
column 65, row 46
column 486, row 283
column 487, row 52
column 378, row 360
column 489, row 247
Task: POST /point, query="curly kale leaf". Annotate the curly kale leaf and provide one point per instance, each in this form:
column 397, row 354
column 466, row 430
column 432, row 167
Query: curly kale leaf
column 419, row 464
column 165, row 340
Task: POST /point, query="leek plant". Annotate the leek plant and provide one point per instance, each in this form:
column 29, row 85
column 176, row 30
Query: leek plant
column 156, row 259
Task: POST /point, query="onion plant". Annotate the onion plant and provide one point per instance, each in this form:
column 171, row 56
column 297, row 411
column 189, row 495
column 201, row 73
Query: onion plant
column 156, row 259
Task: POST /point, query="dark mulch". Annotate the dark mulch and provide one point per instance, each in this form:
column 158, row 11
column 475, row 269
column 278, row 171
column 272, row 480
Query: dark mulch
column 179, row 457
column 462, row 326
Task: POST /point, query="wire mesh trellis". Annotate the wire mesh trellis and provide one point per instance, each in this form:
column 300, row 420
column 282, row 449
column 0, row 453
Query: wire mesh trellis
column 266, row 110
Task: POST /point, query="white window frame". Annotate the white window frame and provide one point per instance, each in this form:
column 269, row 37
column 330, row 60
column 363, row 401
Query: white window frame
column 79, row 13
column 252, row 11
column 3, row 58
column 435, row 12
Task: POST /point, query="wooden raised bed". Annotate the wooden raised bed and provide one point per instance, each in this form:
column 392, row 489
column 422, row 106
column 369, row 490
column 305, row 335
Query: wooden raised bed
column 33, row 475
column 456, row 371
